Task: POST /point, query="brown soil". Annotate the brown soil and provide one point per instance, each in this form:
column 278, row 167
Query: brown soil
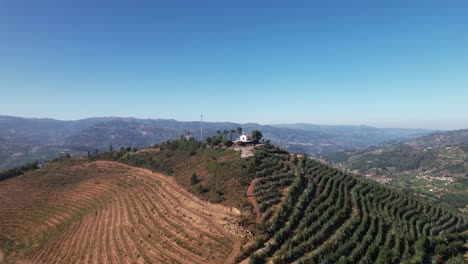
column 107, row 212
column 253, row 201
column 246, row 151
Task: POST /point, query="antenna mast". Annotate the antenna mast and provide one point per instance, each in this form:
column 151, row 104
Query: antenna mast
column 201, row 128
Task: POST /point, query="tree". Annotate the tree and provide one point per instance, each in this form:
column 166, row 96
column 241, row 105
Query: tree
column 239, row 131
column 231, row 131
column 111, row 148
column 208, row 140
column 193, row 179
column 228, row 143
column 217, row 140
column 256, row 135
column 294, row 159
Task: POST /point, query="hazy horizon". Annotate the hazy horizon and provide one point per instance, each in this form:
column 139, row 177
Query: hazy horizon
column 237, row 122
column 397, row 64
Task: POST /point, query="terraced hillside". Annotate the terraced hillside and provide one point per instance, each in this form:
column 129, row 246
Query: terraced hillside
column 313, row 213
column 222, row 176
column 117, row 206
column 434, row 166
column 74, row 211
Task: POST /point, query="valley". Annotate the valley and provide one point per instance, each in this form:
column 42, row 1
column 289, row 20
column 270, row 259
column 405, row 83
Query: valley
column 434, row 165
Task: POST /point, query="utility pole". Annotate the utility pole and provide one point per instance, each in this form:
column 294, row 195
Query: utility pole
column 201, row 128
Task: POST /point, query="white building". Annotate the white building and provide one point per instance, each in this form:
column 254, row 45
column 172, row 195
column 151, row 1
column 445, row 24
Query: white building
column 245, row 138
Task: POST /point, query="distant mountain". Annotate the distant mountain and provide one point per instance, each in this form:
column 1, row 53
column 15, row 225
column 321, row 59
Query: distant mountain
column 322, row 139
column 27, row 139
column 435, row 165
column 24, row 140
column 355, row 130
column 41, row 131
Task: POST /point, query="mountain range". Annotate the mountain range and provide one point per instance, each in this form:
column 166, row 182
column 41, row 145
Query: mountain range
column 28, row 139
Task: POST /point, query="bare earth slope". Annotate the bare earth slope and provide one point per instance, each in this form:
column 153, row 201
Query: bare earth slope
column 107, row 212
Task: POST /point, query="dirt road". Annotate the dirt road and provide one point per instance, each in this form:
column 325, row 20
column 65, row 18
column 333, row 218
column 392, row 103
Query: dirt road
column 253, row 201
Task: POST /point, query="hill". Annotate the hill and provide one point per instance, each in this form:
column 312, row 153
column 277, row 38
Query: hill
column 312, row 213
column 433, row 165
column 107, row 212
column 352, row 137
column 146, row 205
column 222, row 176
column 25, row 140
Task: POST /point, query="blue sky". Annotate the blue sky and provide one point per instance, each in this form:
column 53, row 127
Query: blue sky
column 381, row 63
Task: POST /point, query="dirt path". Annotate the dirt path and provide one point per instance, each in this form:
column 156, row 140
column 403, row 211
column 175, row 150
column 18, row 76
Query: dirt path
column 253, row 201
column 246, row 151
column 236, row 251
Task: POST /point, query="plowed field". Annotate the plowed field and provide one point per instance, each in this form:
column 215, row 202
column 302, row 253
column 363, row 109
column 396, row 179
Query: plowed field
column 106, row 212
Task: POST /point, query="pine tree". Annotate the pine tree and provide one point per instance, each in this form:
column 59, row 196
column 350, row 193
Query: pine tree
column 193, row 179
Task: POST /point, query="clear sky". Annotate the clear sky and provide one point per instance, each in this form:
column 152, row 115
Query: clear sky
column 380, row 63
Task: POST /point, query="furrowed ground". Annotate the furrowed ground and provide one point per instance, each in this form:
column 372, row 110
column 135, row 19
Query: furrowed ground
column 106, row 212
column 222, row 176
column 313, row 213
column 119, row 206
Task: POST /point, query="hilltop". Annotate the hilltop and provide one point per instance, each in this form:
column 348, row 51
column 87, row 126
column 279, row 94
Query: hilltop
column 432, row 165
column 87, row 210
column 25, row 140
column 189, row 202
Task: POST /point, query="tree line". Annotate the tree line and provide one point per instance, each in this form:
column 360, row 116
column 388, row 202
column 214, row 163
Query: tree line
column 18, row 170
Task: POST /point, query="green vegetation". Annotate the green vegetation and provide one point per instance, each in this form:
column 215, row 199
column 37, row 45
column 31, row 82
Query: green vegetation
column 18, row 171
column 257, row 135
column 313, row 213
column 215, row 174
column 401, row 158
column 221, row 138
column 193, row 179
column 310, row 212
column 434, row 166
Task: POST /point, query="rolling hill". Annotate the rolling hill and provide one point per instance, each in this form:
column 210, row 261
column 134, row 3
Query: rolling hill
column 147, row 206
column 434, row 165
column 313, row 213
column 25, row 140
column 101, row 211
